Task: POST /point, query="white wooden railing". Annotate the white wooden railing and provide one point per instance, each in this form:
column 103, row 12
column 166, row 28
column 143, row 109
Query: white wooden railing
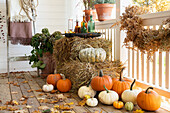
column 153, row 73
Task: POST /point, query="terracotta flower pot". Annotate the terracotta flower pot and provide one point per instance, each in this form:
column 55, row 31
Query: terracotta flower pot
column 50, row 65
column 104, row 11
column 87, row 14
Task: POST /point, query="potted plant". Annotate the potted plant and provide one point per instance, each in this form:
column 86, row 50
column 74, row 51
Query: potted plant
column 89, row 6
column 42, row 53
column 104, row 9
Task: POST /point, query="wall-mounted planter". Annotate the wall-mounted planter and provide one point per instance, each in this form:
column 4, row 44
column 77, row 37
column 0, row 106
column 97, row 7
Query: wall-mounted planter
column 104, row 11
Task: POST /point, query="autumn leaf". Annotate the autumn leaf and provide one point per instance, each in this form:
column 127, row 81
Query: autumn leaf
column 39, row 90
column 15, row 84
column 52, row 102
column 36, row 111
column 31, row 96
column 29, row 90
column 14, row 92
column 25, row 97
column 25, row 102
column 10, row 82
column 53, row 110
column 53, row 91
column 15, row 102
column 28, row 106
column 3, row 107
column 43, row 107
column 41, row 94
column 67, row 112
column 24, row 82
column 62, row 107
column 12, row 108
column 71, row 103
column 12, row 102
column 83, row 102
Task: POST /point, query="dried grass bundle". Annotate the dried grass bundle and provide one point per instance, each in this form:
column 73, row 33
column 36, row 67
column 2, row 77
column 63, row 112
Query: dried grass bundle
column 146, row 40
column 78, row 72
column 66, row 52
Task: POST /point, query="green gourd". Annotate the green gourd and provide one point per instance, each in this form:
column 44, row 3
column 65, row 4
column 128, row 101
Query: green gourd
column 129, row 106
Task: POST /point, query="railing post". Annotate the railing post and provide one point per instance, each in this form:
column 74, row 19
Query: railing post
column 118, row 37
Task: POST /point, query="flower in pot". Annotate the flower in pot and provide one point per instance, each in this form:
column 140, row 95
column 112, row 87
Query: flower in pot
column 89, row 6
column 104, row 9
column 41, row 55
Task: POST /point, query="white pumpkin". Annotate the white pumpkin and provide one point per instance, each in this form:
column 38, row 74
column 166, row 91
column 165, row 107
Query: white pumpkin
column 86, row 90
column 92, row 102
column 108, row 96
column 48, row 87
column 130, row 95
column 92, row 55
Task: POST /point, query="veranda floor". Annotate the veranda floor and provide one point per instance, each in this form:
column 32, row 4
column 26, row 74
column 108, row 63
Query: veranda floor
column 19, row 85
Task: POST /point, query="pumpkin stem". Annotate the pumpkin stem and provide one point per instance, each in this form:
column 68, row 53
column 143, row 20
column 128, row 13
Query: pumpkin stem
column 106, row 89
column 147, row 90
column 63, row 76
column 121, row 72
column 89, row 83
column 101, row 73
column 132, row 84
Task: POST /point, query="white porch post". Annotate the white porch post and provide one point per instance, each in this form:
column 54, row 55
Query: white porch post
column 118, row 36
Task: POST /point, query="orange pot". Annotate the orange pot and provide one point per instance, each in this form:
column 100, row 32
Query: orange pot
column 104, row 11
column 87, row 14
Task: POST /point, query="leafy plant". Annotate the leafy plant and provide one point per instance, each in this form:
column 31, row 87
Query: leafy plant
column 89, row 4
column 42, row 43
column 105, row 1
column 154, row 5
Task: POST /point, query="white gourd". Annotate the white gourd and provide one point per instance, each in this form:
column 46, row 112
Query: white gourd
column 86, row 90
column 48, row 87
column 92, row 102
column 130, row 95
column 108, row 96
column 92, row 55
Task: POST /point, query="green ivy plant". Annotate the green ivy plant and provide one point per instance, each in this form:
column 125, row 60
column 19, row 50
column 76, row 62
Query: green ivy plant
column 105, row 1
column 42, row 43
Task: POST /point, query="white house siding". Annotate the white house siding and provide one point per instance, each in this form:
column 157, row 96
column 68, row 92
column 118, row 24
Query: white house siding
column 52, row 14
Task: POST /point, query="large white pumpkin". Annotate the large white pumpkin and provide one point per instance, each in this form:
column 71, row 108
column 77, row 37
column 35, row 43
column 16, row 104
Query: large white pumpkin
column 130, row 95
column 108, row 96
column 86, row 90
column 92, row 55
column 92, row 102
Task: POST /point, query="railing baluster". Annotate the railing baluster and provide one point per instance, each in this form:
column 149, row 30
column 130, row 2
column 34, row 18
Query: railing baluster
column 167, row 74
column 160, row 69
column 133, row 63
column 113, row 44
column 137, row 70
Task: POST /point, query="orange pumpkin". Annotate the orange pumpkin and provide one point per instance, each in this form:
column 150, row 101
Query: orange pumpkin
column 63, row 85
column 121, row 85
column 149, row 100
column 118, row 104
column 53, row 78
column 98, row 82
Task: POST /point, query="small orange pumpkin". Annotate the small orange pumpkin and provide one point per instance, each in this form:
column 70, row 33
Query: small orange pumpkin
column 149, row 100
column 98, row 82
column 64, row 85
column 121, row 85
column 118, row 104
column 53, row 78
